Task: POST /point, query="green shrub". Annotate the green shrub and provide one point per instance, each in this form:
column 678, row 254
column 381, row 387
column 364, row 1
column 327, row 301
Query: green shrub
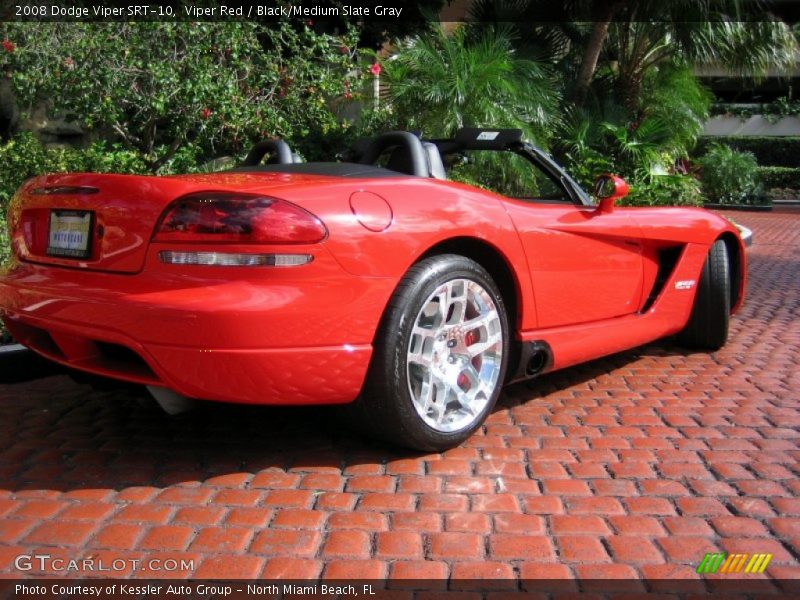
column 586, row 165
column 730, row 177
column 769, row 151
column 771, row 111
column 160, row 87
column 5, row 243
column 780, row 177
column 24, row 157
column 5, row 251
column 20, row 158
column 109, row 158
column 664, row 190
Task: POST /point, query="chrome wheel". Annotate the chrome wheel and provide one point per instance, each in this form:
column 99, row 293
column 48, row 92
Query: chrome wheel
column 455, row 355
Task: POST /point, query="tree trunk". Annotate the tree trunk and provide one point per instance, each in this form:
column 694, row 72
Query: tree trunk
column 629, row 91
column 9, row 114
column 604, row 11
column 155, row 165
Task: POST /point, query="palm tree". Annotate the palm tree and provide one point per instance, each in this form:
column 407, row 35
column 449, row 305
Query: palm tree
column 748, row 49
column 440, row 82
column 636, row 36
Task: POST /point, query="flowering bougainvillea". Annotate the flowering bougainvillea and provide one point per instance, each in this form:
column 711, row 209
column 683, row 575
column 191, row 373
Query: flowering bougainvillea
column 162, row 86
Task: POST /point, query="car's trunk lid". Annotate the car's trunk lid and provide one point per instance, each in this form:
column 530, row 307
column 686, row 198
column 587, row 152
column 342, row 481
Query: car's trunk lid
column 105, row 222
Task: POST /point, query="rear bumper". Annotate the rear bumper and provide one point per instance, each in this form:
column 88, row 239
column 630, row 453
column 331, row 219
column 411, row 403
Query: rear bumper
column 301, row 336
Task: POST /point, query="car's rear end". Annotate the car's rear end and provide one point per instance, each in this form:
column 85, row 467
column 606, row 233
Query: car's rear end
column 213, row 286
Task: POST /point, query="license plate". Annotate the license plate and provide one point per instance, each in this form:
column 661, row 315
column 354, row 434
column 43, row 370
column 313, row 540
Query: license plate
column 70, row 233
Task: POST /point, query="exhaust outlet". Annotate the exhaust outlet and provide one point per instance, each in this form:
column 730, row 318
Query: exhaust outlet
column 534, row 358
column 536, row 363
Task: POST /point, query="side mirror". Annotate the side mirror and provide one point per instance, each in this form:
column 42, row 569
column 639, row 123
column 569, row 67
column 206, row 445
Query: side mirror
column 608, row 188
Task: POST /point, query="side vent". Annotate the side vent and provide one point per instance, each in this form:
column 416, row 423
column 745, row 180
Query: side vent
column 667, row 259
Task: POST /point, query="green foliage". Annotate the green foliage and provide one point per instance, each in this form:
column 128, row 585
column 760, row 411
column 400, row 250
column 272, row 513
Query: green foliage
column 5, row 243
column 607, row 138
column 780, row 177
column 589, row 167
column 769, row 151
column 636, row 146
column 695, row 33
column 319, row 145
column 771, row 111
column 24, row 156
column 161, row 86
column 440, row 82
column 664, row 190
column 672, row 95
column 632, row 150
column 730, row 177
column 501, row 172
column 750, row 48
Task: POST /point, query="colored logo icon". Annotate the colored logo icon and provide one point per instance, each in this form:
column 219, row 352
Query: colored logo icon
column 733, row 563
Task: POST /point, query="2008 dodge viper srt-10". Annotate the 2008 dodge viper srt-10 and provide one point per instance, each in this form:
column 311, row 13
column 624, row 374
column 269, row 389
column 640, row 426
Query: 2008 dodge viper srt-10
column 375, row 282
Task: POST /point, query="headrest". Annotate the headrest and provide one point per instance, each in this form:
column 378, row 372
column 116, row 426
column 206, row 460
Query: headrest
column 281, row 153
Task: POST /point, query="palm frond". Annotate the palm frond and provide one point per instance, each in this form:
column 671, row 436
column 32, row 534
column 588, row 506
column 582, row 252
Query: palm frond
column 442, row 82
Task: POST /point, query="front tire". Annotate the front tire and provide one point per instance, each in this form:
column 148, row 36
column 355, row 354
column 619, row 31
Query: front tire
column 708, row 324
column 440, row 356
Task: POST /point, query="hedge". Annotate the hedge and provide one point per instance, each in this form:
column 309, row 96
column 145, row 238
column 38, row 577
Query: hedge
column 780, row 177
column 769, row 151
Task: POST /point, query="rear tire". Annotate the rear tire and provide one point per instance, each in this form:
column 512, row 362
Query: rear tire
column 440, row 357
column 708, row 324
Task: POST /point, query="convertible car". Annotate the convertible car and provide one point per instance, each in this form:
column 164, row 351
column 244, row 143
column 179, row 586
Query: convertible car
column 379, row 283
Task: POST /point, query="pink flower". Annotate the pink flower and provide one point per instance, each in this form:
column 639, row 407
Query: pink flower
column 375, row 69
column 9, row 46
column 69, row 63
column 205, row 113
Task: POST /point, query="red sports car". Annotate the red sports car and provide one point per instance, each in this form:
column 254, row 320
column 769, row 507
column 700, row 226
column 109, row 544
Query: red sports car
column 376, row 282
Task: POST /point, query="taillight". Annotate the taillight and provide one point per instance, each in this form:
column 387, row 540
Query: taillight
column 238, row 218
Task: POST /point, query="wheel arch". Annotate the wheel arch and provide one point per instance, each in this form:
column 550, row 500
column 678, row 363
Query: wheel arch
column 495, row 263
column 499, row 267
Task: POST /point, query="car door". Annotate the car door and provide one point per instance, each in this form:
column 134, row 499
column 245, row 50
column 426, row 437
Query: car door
column 585, row 265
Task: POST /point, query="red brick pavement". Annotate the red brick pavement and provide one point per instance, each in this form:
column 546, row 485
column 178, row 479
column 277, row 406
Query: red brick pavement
column 629, row 466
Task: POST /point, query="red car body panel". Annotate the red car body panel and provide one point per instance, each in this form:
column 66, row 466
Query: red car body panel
column 304, row 334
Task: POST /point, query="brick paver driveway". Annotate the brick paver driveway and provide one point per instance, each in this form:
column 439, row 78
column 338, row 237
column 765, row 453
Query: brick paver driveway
column 635, row 465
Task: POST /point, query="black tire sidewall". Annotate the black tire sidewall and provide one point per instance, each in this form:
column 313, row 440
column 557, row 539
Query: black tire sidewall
column 708, row 323
column 418, row 285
